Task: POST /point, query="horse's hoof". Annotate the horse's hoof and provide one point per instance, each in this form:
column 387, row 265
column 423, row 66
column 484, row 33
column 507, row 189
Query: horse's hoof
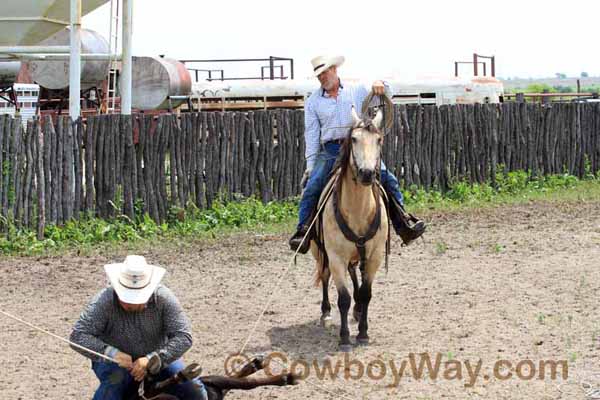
column 345, row 348
column 362, row 341
column 326, row 321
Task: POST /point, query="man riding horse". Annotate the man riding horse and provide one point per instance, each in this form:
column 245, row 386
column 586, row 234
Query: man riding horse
column 328, row 118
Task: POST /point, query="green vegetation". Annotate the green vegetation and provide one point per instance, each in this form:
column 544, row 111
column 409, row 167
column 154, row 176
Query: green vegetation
column 509, row 187
column 249, row 213
column 545, row 88
column 253, row 215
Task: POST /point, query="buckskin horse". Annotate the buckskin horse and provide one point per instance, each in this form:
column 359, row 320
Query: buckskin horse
column 216, row 386
column 353, row 226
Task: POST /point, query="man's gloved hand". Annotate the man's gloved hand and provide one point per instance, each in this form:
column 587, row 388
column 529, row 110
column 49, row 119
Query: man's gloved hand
column 305, row 177
column 138, row 371
column 378, row 88
column 124, row 360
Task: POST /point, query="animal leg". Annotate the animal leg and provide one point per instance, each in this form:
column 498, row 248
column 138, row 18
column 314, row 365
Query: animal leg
column 224, row 384
column 325, row 305
column 364, row 296
column 338, row 272
column 357, row 306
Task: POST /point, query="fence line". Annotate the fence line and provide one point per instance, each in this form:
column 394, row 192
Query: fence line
column 55, row 171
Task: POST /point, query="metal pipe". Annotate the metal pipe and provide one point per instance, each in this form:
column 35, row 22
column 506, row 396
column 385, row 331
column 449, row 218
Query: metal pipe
column 75, row 61
column 34, row 49
column 126, row 66
column 238, row 60
column 59, row 57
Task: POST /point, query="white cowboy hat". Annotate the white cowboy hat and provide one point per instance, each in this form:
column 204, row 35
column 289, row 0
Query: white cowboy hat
column 134, row 280
column 321, row 63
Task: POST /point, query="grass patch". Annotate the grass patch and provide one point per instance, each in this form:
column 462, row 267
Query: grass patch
column 251, row 215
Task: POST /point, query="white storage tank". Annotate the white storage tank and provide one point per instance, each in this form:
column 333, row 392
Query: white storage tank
column 55, row 74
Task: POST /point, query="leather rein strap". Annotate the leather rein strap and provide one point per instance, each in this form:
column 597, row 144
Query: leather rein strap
column 359, row 241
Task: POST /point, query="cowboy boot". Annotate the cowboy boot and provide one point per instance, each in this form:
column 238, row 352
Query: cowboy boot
column 296, row 240
column 406, row 225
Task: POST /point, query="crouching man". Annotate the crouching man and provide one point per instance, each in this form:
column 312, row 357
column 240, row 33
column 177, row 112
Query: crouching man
column 130, row 321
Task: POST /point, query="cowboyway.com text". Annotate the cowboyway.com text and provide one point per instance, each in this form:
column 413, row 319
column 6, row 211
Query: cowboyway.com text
column 418, row 366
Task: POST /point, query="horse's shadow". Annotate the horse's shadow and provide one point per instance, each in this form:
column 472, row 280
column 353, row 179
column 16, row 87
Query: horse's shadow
column 308, row 340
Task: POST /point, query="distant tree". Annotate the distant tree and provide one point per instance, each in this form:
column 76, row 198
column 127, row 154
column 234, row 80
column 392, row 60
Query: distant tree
column 539, row 88
column 560, row 75
column 563, row 89
column 591, row 89
column 585, row 75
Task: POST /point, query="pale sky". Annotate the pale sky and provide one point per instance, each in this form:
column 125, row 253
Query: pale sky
column 530, row 38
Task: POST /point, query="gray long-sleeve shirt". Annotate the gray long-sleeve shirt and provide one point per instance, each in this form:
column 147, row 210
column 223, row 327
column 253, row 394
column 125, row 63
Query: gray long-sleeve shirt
column 161, row 327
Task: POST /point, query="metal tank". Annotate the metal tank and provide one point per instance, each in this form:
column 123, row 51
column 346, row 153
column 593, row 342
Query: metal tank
column 27, row 22
column 9, row 71
column 253, row 88
column 156, row 80
column 425, row 90
column 55, row 74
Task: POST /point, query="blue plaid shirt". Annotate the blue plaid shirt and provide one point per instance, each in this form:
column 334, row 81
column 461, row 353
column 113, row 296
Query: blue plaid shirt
column 326, row 118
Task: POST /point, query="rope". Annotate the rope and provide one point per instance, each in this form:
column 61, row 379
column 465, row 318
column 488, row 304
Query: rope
column 277, row 285
column 336, row 394
column 59, row 337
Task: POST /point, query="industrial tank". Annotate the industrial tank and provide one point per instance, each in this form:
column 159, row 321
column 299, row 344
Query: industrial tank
column 55, row 74
column 9, row 71
column 155, row 79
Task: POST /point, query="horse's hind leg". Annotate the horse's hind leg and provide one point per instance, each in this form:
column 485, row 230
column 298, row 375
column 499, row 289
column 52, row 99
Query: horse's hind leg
column 356, row 310
column 325, row 305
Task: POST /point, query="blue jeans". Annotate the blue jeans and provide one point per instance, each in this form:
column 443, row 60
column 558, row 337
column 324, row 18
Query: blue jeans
column 115, row 382
column 319, row 176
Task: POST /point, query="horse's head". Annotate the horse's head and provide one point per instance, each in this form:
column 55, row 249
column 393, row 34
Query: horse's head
column 363, row 147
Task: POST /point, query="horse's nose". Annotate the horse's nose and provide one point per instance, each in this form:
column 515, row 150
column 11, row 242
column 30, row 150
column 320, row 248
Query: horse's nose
column 366, row 175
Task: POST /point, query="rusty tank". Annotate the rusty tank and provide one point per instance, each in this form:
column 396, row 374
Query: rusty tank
column 156, row 80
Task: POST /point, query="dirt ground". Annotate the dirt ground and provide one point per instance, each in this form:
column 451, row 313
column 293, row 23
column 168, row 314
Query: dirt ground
column 514, row 283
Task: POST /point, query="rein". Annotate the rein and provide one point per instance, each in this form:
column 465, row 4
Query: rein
column 359, row 241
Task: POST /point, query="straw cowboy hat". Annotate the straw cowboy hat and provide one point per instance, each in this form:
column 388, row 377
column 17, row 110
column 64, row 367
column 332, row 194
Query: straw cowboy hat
column 321, row 63
column 134, row 280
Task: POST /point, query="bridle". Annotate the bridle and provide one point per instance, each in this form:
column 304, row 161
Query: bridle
column 354, row 163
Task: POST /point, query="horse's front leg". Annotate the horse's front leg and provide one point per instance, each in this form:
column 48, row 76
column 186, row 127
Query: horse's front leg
column 338, row 272
column 325, row 305
column 364, row 298
column 356, row 310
